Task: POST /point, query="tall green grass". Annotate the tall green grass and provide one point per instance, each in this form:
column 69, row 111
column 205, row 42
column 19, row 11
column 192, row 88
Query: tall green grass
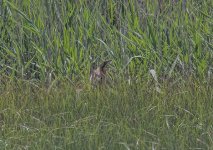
column 65, row 37
column 47, row 49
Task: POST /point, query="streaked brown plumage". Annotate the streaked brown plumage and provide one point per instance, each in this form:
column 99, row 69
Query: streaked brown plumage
column 97, row 75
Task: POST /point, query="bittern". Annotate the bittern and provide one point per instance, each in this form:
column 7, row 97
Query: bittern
column 98, row 74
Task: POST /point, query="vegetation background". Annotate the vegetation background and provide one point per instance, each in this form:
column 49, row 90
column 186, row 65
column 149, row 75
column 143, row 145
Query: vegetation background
column 160, row 94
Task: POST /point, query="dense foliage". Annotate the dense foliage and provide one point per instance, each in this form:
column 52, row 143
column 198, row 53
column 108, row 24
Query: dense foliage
column 159, row 92
column 64, row 37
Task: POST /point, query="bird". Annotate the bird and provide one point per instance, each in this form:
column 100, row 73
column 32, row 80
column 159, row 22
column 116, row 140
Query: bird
column 98, row 74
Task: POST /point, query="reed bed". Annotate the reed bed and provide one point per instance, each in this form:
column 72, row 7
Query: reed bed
column 158, row 93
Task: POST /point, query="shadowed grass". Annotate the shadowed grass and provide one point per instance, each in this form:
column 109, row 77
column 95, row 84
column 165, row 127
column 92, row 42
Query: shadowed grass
column 122, row 117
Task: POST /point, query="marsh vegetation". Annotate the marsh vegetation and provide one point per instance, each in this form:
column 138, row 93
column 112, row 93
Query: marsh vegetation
column 158, row 93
